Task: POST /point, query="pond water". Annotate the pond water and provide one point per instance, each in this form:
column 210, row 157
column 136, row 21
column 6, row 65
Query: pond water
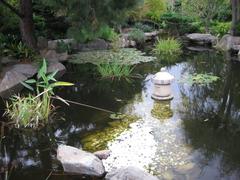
column 194, row 136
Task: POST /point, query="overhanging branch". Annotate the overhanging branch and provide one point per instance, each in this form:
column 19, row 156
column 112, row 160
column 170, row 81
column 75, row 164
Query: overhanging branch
column 13, row 9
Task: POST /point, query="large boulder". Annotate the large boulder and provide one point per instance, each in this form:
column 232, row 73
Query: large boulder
column 98, row 44
column 129, row 173
column 229, row 42
column 79, row 162
column 27, row 70
column 202, row 39
column 10, row 82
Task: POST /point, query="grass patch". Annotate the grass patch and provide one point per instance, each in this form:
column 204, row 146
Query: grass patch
column 167, row 47
column 114, row 70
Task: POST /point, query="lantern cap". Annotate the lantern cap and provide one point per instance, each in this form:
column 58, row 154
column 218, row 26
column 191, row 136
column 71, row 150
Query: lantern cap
column 163, row 77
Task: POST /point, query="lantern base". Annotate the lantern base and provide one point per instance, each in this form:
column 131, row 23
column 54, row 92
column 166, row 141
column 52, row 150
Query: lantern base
column 162, row 98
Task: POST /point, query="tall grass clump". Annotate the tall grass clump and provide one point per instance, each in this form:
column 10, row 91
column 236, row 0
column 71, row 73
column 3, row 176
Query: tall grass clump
column 167, row 47
column 114, row 70
column 35, row 109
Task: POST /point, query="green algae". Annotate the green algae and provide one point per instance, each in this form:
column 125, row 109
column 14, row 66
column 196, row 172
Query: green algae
column 129, row 56
column 162, row 110
column 98, row 140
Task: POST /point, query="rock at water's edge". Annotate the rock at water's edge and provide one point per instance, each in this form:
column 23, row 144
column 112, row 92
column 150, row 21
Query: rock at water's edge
column 202, row 38
column 79, row 162
column 104, row 154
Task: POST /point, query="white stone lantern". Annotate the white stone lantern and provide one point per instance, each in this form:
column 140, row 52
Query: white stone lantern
column 162, row 85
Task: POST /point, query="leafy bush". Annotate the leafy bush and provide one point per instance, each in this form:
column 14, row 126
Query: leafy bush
column 107, row 33
column 82, row 35
column 143, row 27
column 220, row 28
column 182, row 24
column 168, row 47
column 63, row 47
column 34, row 110
column 137, row 35
column 114, row 70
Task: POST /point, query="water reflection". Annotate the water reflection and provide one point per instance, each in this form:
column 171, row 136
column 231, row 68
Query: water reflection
column 198, row 139
column 211, row 118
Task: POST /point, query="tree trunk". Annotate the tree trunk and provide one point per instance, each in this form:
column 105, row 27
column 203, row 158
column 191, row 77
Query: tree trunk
column 26, row 24
column 235, row 31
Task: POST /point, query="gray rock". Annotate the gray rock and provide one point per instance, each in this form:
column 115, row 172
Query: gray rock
column 27, row 70
column 10, row 82
column 104, row 154
column 42, row 42
column 228, row 42
column 56, row 66
column 129, row 173
column 52, row 55
column 8, row 60
column 79, row 162
column 98, row 44
column 202, row 39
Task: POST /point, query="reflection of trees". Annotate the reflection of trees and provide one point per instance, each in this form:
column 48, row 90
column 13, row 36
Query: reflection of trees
column 211, row 114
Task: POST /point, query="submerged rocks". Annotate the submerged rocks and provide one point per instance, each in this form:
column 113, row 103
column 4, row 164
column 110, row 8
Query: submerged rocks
column 202, row 39
column 79, row 162
column 129, row 173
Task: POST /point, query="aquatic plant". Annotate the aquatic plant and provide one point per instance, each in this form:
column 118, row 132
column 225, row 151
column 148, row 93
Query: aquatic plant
column 33, row 110
column 129, row 56
column 137, row 35
column 200, row 79
column 98, row 140
column 114, row 70
column 167, row 47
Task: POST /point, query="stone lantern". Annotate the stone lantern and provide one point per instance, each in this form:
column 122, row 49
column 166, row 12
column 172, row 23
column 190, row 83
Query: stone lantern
column 162, row 85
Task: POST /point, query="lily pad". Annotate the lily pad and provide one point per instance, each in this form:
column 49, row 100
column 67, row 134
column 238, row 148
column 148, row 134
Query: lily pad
column 129, row 56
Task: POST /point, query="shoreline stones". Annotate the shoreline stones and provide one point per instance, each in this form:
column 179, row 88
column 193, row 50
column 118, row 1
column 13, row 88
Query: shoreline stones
column 202, row 39
column 79, row 162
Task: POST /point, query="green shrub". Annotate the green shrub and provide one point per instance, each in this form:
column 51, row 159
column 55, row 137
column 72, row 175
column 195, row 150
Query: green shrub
column 137, row 35
column 82, row 35
column 107, row 33
column 143, row 27
column 168, row 47
column 114, row 70
column 21, row 51
column 178, row 22
column 155, row 8
column 220, row 28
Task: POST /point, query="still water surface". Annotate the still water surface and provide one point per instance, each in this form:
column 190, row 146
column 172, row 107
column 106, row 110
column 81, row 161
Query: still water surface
column 195, row 136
